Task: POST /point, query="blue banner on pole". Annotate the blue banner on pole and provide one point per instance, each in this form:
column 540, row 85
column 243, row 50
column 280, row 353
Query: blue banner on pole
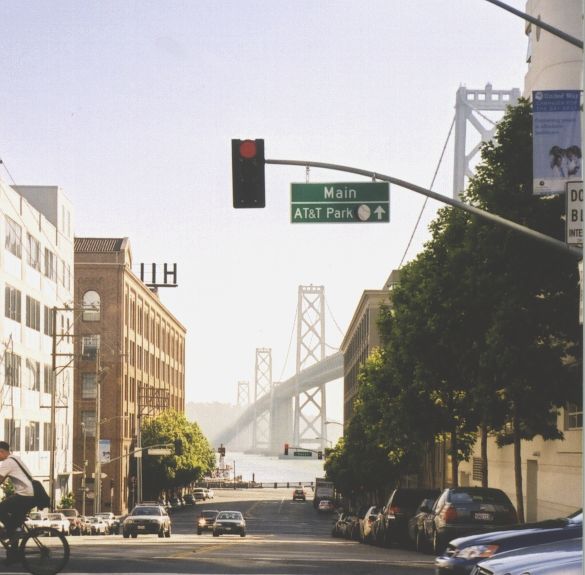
column 556, row 136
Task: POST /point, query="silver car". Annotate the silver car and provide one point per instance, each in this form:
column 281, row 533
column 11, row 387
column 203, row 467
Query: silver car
column 547, row 559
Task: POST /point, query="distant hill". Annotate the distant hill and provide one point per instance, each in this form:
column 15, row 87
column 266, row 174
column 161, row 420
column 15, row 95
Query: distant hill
column 212, row 417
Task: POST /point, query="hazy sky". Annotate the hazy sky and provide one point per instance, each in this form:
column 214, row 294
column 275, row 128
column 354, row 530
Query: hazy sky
column 130, row 106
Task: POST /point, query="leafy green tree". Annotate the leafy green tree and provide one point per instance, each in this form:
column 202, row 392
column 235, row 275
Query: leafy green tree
column 67, row 501
column 192, row 458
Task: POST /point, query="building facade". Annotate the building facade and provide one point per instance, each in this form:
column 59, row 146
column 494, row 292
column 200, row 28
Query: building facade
column 131, row 365
column 361, row 337
column 36, row 329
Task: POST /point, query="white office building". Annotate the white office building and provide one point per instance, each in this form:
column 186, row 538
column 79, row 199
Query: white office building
column 36, row 276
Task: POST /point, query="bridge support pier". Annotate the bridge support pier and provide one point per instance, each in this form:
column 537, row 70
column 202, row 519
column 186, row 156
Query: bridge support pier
column 281, row 424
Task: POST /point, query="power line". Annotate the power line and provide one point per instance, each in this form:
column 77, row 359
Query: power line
column 427, row 199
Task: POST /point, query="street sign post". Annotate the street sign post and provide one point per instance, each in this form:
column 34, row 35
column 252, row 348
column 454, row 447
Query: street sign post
column 340, row 202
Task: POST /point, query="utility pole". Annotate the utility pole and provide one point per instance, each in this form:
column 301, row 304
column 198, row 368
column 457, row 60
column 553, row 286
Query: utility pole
column 53, row 411
column 97, row 466
column 83, row 477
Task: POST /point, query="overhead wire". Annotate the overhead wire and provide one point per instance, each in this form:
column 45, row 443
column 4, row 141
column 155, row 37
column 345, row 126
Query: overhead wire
column 430, row 187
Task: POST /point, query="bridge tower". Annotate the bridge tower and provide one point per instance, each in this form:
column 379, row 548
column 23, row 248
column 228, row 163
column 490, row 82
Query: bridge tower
column 310, row 406
column 262, row 386
column 468, row 107
column 243, row 393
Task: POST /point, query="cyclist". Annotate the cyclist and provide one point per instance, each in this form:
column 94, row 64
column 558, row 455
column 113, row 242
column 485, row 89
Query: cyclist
column 14, row 508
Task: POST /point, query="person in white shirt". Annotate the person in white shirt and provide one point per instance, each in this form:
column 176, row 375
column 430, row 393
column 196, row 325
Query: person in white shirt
column 13, row 509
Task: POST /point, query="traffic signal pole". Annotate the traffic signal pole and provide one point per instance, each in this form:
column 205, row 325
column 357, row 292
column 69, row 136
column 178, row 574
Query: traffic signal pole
column 535, row 235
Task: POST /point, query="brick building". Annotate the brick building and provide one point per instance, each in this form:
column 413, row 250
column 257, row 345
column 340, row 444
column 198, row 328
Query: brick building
column 128, row 347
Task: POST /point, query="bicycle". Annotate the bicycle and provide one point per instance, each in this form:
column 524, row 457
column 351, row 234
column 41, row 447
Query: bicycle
column 42, row 551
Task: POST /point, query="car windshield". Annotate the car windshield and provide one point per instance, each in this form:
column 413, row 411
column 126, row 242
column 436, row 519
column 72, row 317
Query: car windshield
column 229, row 515
column 483, row 496
column 35, row 516
column 54, row 516
column 146, row 511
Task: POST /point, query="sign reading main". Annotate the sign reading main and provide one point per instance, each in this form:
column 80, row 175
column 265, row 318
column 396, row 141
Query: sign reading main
column 341, row 202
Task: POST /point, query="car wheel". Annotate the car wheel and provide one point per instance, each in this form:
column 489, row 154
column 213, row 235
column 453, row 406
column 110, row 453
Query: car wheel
column 126, row 535
column 420, row 542
column 243, row 534
column 198, row 531
column 134, row 535
column 215, row 534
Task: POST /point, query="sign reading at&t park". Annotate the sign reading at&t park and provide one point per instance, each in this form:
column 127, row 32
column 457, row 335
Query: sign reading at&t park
column 341, row 202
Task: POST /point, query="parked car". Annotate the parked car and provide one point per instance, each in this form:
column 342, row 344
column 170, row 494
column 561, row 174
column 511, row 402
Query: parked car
column 97, row 526
column 325, row 506
column 461, row 511
column 464, row 553
column 366, row 524
column 147, row 519
column 199, row 493
column 110, row 520
column 175, row 503
column 299, row 494
column 339, row 528
column 206, row 519
column 37, row 520
column 74, row 520
column 229, row 522
column 416, row 529
column 59, row 522
column 189, row 499
column 85, row 526
column 401, row 506
column 556, row 558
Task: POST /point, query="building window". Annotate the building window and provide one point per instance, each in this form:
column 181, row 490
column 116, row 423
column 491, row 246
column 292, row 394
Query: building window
column 33, row 375
column 49, row 377
column 88, row 386
column 46, row 436
column 31, row 436
column 48, row 321
column 12, row 302
column 90, row 345
column 88, row 420
column 13, row 240
column 12, row 369
column 573, row 416
column 33, row 313
column 91, row 306
column 50, row 270
column 12, row 433
column 34, row 252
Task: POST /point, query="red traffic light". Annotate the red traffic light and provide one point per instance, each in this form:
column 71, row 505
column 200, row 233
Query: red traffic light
column 248, row 149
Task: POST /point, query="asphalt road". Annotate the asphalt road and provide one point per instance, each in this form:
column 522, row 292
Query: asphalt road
column 283, row 538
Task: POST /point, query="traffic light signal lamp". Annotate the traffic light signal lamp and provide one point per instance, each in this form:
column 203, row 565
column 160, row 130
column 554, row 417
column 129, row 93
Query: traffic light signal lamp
column 248, row 173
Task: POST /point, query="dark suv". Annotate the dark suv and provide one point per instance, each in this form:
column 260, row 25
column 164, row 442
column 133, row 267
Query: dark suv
column 401, row 506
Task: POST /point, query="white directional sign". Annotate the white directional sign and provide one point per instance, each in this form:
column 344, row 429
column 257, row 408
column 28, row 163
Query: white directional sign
column 159, row 451
column 575, row 213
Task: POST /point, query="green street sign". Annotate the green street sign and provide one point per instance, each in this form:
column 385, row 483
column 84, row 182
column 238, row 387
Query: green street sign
column 340, row 202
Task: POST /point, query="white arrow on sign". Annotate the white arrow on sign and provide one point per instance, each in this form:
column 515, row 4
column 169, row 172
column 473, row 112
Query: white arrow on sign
column 379, row 211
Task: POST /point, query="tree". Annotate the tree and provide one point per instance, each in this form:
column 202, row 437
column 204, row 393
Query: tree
column 67, row 501
column 195, row 459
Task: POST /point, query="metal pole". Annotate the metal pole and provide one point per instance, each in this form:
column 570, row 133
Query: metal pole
column 53, row 423
column 537, row 22
column 138, row 456
column 542, row 238
column 97, row 467
column 234, row 473
column 83, row 477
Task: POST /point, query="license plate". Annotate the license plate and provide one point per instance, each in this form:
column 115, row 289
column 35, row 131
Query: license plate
column 483, row 516
column 141, row 528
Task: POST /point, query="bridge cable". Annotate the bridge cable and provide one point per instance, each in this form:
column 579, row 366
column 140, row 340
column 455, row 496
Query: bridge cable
column 289, row 344
column 427, row 199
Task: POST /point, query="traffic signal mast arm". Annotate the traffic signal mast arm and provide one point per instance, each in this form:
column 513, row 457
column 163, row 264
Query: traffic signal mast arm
column 543, row 238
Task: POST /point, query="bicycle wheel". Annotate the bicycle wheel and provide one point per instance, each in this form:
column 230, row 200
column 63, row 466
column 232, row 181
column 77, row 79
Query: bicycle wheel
column 44, row 552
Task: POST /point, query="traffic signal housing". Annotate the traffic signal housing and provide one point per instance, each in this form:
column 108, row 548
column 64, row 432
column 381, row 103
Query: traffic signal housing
column 248, row 173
